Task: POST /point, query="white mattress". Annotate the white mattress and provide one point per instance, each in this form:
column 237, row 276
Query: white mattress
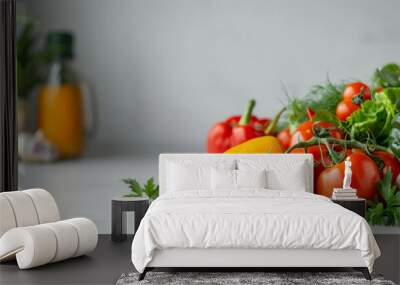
column 250, row 219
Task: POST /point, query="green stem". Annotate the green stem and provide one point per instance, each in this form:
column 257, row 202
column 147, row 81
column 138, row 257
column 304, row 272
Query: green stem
column 344, row 143
column 271, row 129
column 245, row 119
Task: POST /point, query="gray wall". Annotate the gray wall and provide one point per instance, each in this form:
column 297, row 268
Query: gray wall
column 166, row 70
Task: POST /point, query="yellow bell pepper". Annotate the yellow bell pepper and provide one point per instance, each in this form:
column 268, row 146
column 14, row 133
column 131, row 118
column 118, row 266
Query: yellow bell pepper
column 265, row 144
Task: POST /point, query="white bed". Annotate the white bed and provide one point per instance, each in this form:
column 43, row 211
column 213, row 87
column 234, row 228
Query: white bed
column 249, row 227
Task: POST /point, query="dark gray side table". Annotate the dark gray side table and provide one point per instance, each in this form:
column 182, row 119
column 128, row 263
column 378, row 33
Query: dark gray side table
column 120, row 205
column 388, row 264
column 358, row 205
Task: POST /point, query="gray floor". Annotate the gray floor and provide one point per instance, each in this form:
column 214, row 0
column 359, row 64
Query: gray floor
column 103, row 266
column 111, row 259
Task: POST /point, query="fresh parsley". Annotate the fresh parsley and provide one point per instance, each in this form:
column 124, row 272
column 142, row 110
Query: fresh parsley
column 149, row 189
column 387, row 212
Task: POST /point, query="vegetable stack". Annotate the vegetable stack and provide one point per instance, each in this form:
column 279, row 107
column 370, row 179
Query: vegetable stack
column 357, row 121
column 334, row 121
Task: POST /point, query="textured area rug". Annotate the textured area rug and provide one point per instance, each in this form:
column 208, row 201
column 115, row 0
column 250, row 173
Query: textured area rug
column 233, row 278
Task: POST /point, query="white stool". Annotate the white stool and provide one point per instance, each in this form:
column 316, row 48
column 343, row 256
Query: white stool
column 31, row 230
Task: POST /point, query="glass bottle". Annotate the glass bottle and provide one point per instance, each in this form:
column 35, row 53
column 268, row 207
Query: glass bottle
column 60, row 102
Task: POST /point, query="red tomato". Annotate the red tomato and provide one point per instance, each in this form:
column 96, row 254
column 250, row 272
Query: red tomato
column 319, row 153
column 284, row 138
column 364, row 179
column 304, row 131
column 390, row 162
column 334, row 133
column 345, row 109
column 353, row 96
column 356, row 93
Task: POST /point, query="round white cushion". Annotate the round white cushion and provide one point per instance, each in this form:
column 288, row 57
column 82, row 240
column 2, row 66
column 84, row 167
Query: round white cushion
column 45, row 205
column 26, row 208
column 67, row 240
column 41, row 244
column 7, row 220
column 87, row 234
column 23, row 208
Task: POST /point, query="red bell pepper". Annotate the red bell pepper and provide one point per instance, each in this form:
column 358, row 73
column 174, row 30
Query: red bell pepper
column 235, row 130
column 259, row 124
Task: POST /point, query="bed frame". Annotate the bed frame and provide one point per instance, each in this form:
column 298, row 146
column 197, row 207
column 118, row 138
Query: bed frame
column 250, row 259
column 246, row 259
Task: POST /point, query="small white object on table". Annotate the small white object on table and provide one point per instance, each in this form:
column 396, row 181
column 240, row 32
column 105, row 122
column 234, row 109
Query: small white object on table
column 344, row 194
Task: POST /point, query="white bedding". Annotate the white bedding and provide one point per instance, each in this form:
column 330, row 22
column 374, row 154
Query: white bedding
column 250, row 219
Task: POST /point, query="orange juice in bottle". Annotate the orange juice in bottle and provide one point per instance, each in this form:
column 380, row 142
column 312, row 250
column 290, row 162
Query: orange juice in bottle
column 60, row 102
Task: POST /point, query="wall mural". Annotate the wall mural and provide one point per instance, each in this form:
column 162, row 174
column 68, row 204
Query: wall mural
column 350, row 120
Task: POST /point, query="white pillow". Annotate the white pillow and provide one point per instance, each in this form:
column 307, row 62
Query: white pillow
column 281, row 174
column 223, row 179
column 237, row 179
column 251, row 178
column 188, row 174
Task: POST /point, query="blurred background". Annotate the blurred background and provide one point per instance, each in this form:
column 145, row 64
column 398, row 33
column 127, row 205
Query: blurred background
column 147, row 77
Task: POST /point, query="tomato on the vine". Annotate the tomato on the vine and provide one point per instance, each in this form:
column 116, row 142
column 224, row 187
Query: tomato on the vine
column 345, row 109
column 307, row 131
column 356, row 93
column 353, row 96
column 304, row 131
column 390, row 162
column 365, row 176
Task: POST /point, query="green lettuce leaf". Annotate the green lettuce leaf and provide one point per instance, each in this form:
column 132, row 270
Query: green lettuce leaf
column 387, row 76
column 374, row 119
column 394, row 136
column 393, row 95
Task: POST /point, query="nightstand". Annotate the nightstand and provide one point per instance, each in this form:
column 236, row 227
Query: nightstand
column 358, row 205
column 120, row 205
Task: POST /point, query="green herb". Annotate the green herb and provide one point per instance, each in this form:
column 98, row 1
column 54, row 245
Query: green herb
column 296, row 113
column 325, row 97
column 377, row 212
column 152, row 191
column 149, row 189
column 327, row 116
column 321, row 99
column 29, row 60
